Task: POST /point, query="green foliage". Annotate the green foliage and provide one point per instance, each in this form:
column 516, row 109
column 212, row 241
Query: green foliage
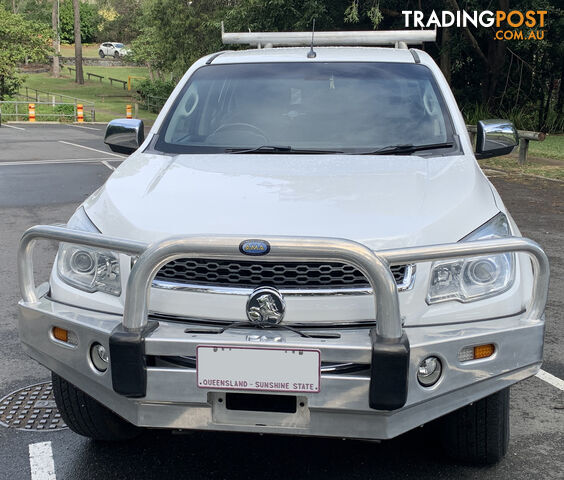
column 19, row 39
column 174, row 34
column 283, row 15
column 523, row 118
column 121, row 22
column 358, row 10
column 153, row 94
column 64, row 109
column 89, row 21
column 155, row 88
column 36, row 10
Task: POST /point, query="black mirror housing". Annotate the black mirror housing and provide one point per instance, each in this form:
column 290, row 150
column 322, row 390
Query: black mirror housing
column 124, row 135
column 495, row 138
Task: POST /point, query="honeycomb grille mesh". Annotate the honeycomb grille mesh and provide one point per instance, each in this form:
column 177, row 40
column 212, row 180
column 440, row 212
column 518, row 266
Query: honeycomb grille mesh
column 250, row 274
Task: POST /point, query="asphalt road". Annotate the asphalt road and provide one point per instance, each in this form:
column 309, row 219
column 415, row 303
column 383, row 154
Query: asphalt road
column 46, row 171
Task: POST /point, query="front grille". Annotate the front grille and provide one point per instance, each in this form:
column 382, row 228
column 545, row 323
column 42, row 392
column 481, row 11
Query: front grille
column 252, row 274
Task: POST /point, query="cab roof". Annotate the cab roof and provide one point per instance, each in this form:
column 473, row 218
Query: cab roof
column 323, row 54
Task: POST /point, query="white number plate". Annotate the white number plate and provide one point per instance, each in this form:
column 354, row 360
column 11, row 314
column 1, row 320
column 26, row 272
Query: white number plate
column 258, row 368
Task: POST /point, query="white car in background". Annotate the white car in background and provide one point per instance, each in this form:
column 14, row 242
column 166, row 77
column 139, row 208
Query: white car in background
column 112, row 49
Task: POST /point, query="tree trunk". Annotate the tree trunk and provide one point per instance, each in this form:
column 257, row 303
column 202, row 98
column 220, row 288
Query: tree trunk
column 560, row 96
column 496, row 60
column 445, row 54
column 55, row 68
column 79, row 78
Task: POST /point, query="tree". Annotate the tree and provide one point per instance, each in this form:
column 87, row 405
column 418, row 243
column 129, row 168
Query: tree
column 79, row 78
column 55, row 68
column 517, row 79
column 89, row 21
column 119, row 20
column 19, row 39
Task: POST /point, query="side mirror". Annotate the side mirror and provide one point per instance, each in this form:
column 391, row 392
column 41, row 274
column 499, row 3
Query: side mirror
column 495, row 138
column 124, row 135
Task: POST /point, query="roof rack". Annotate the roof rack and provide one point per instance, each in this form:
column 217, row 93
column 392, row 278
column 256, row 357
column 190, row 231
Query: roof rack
column 398, row 38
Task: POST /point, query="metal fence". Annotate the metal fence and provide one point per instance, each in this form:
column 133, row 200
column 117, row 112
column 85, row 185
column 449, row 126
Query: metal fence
column 41, row 96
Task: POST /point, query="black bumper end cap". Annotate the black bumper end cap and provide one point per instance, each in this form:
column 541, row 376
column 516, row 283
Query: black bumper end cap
column 389, row 372
column 128, row 364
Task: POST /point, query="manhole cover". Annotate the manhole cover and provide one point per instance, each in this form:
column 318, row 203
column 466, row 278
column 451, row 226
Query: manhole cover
column 31, row 408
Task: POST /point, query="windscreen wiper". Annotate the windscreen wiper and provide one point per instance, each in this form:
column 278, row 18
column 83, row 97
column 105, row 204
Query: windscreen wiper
column 279, row 149
column 405, row 149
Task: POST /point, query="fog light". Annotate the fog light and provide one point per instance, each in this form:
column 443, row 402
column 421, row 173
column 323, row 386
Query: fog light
column 429, row 371
column 99, row 357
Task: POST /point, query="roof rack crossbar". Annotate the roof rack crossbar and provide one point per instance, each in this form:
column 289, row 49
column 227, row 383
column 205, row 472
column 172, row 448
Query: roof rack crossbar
column 360, row 38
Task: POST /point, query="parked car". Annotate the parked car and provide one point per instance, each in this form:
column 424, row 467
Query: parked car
column 303, row 244
column 112, row 49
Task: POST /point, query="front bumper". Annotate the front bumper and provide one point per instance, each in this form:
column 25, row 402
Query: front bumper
column 173, row 400
column 384, row 401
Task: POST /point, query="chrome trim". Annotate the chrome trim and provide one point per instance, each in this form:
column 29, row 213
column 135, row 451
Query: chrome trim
column 407, row 284
column 124, row 135
column 213, row 322
column 375, row 267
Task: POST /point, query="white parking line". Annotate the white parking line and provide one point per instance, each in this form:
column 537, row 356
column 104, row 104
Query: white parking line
column 107, row 165
column 41, row 461
column 549, row 378
column 87, row 128
column 64, row 160
column 93, row 149
column 11, row 126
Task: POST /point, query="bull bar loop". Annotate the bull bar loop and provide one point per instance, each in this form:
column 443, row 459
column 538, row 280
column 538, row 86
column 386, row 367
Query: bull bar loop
column 373, row 265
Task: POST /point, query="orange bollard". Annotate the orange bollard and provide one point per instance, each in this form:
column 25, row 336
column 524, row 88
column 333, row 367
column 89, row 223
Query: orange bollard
column 31, row 112
column 80, row 113
column 128, row 111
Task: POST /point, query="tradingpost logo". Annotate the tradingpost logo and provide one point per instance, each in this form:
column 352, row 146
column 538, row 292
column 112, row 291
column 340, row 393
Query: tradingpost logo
column 513, row 25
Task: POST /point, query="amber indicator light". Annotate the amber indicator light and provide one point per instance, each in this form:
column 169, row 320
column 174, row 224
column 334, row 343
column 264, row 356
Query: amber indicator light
column 61, row 334
column 484, row 351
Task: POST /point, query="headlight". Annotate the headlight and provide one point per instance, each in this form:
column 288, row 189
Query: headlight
column 474, row 278
column 87, row 268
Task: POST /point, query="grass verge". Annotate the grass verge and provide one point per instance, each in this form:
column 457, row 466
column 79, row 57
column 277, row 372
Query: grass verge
column 511, row 165
column 552, row 147
column 545, row 159
column 110, row 101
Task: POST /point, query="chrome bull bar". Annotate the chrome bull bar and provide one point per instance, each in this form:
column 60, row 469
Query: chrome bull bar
column 390, row 359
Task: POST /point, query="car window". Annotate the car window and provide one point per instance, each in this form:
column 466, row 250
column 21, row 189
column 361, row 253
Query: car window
column 340, row 106
column 118, row 45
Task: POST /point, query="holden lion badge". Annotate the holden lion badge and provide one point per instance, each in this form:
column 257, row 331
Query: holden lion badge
column 266, row 306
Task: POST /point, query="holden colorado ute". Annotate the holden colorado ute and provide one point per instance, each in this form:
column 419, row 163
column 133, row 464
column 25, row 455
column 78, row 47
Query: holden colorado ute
column 303, row 244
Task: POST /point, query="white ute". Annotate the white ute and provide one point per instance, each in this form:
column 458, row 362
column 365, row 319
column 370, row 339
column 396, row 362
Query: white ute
column 303, row 244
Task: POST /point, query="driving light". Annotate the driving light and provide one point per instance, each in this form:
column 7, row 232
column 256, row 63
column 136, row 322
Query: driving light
column 429, row 371
column 475, row 278
column 99, row 357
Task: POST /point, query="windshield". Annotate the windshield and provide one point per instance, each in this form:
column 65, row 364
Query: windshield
column 118, row 45
column 345, row 107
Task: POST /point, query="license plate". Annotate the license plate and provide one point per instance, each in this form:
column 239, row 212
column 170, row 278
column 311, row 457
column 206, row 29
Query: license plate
column 257, row 368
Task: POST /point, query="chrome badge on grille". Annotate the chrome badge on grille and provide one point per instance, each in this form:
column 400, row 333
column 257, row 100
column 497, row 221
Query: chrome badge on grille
column 254, row 247
column 266, row 306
